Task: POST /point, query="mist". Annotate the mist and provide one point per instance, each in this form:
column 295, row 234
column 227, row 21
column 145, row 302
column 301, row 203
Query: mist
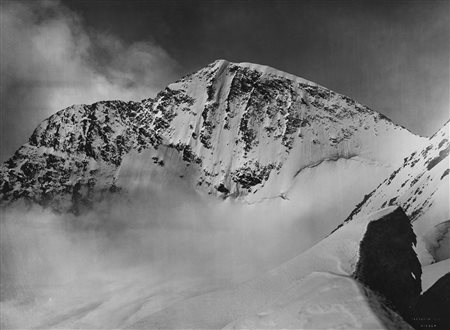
column 131, row 246
column 51, row 60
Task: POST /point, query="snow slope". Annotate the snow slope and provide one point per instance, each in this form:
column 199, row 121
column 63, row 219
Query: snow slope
column 322, row 301
column 421, row 187
column 285, row 296
column 432, row 273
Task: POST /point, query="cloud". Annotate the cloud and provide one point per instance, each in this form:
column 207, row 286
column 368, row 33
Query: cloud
column 141, row 249
column 50, row 60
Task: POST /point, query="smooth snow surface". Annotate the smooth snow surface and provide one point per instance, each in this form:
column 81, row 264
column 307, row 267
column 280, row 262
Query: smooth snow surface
column 433, row 272
column 265, row 300
column 318, row 301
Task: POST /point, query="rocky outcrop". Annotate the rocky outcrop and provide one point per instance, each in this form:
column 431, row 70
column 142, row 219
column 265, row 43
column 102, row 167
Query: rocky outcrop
column 388, row 264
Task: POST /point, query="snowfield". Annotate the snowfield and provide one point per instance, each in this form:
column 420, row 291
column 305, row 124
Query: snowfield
column 320, row 301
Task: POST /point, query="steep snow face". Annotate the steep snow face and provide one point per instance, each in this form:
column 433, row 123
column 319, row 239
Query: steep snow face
column 239, row 130
column 421, row 187
column 254, row 129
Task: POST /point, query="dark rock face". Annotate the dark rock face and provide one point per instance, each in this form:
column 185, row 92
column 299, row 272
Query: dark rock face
column 442, row 154
column 249, row 176
column 433, row 307
column 388, row 264
column 72, row 156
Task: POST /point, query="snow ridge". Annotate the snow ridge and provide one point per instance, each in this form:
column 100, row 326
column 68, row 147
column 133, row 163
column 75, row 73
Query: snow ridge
column 420, row 187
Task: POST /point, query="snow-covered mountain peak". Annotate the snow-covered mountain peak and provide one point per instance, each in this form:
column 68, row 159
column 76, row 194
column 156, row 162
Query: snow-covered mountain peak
column 236, row 130
column 246, row 121
column 269, row 71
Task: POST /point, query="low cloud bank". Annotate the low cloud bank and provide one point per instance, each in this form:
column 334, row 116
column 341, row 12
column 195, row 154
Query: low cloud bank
column 171, row 231
column 51, row 60
column 121, row 253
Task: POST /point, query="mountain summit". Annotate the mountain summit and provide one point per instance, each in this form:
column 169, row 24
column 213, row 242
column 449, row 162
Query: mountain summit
column 236, row 130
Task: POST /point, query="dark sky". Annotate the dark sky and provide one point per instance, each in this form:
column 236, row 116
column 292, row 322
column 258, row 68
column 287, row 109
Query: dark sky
column 391, row 55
